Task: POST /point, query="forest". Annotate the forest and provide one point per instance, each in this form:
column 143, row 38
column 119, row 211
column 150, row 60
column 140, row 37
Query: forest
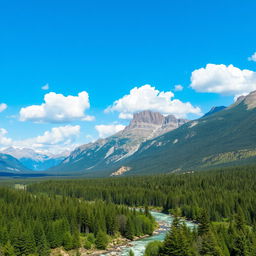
column 33, row 224
column 89, row 213
column 222, row 193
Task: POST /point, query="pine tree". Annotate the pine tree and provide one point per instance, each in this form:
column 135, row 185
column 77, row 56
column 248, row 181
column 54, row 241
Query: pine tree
column 129, row 229
column 210, row 246
column 40, row 240
column 101, row 240
column 76, row 240
column 204, row 224
column 67, row 241
column 176, row 242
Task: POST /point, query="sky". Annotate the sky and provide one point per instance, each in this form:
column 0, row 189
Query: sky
column 75, row 71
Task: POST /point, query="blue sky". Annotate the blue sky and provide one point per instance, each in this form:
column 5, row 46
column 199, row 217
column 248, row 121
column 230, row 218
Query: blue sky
column 107, row 48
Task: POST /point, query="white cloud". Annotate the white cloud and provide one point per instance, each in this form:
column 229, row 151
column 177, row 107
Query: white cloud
column 63, row 134
column 58, row 108
column 5, row 141
column 3, row 107
column 55, row 140
column 178, row 87
column 253, row 57
column 45, row 87
column 222, row 79
column 108, row 130
column 149, row 98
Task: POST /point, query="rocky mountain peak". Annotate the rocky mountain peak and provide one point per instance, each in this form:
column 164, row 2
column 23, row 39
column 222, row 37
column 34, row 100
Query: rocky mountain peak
column 169, row 119
column 148, row 116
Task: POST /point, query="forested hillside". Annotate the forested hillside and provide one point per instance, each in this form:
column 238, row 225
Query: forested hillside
column 221, row 192
column 34, row 224
column 222, row 202
column 90, row 213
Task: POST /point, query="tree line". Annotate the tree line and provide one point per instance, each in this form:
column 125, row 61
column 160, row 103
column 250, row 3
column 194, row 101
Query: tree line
column 222, row 193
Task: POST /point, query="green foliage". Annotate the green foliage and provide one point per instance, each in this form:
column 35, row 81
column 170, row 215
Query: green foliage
column 210, row 246
column 87, row 244
column 204, row 223
column 153, row 248
column 177, row 242
column 221, row 193
column 34, row 223
column 131, row 253
column 55, row 213
column 67, row 241
column 8, row 250
column 91, row 238
column 101, row 240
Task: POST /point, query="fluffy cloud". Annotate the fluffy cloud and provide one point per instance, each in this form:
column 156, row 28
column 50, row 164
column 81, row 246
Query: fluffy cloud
column 178, row 87
column 63, row 134
column 3, row 107
column 253, row 57
column 58, row 108
column 149, row 98
column 108, row 130
column 3, row 139
column 226, row 80
column 45, row 87
column 55, row 140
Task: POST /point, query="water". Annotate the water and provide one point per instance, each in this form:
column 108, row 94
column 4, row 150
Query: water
column 138, row 246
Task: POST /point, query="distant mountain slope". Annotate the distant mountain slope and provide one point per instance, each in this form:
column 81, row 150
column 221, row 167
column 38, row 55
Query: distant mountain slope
column 34, row 160
column 214, row 110
column 9, row 164
column 113, row 150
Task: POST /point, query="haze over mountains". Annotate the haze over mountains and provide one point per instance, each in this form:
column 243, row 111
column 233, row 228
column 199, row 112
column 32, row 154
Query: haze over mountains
column 33, row 160
column 10, row 164
column 153, row 143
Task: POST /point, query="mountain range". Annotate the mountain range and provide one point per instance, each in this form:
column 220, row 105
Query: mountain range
column 153, row 143
column 34, row 160
column 10, row 164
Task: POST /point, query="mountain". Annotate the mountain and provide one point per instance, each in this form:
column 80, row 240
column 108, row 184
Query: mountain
column 214, row 110
column 113, row 150
column 9, row 164
column 34, row 160
column 227, row 137
column 152, row 143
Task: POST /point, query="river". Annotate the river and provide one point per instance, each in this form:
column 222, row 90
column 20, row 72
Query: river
column 138, row 246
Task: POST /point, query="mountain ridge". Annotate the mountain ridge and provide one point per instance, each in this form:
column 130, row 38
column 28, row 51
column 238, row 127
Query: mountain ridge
column 104, row 152
column 222, row 138
column 34, row 160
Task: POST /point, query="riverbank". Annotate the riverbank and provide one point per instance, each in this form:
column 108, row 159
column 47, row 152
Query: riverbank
column 115, row 247
column 122, row 246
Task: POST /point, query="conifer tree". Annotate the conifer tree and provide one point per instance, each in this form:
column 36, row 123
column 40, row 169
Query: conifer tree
column 129, row 229
column 67, row 241
column 76, row 240
column 101, row 240
column 210, row 246
column 204, row 223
